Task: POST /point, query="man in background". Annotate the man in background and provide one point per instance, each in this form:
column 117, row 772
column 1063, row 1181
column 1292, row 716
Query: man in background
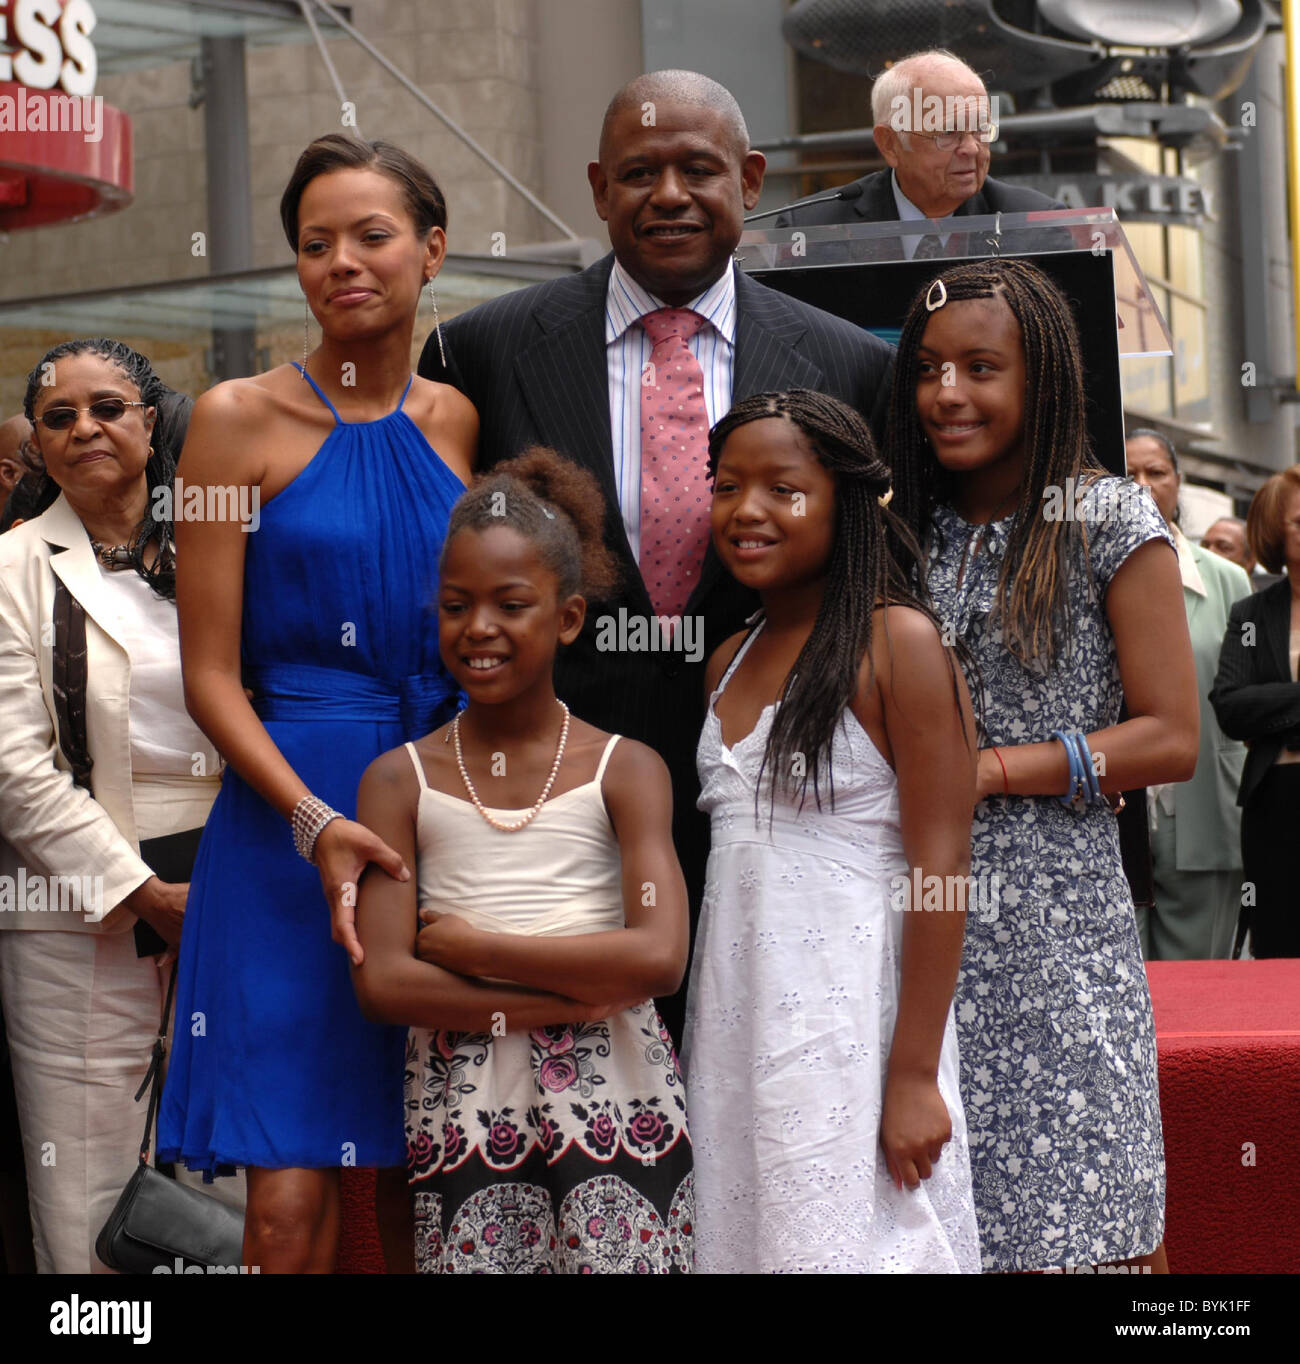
column 933, row 172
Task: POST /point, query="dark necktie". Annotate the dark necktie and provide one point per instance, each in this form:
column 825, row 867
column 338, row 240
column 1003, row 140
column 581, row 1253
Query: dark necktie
column 929, row 248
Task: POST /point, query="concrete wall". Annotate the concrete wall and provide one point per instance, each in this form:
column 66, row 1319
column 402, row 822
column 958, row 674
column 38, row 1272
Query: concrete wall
column 586, row 49
column 1248, row 265
column 478, row 60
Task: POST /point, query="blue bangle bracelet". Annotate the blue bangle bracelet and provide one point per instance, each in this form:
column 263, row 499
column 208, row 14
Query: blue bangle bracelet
column 1076, row 792
column 1089, row 768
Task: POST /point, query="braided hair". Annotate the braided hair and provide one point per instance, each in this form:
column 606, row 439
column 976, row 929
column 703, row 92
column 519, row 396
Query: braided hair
column 160, row 469
column 554, row 504
column 1031, row 600
column 861, row 574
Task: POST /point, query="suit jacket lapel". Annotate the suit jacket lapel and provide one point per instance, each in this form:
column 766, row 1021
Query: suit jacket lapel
column 1277, row 628
column 564, row 376
column 876, row 203
column 73, row 562
column 767, row 332
column 564, row 380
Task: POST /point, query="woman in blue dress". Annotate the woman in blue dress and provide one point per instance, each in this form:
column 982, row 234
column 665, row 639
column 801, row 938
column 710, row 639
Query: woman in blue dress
column 319, row 603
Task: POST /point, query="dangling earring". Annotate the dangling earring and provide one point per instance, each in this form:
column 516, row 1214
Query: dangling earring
column 305, row 311
column 437, row 325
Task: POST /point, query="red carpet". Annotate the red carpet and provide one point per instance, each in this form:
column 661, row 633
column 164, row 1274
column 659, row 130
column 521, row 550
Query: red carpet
column 359, row 1248
column 1228, row 1035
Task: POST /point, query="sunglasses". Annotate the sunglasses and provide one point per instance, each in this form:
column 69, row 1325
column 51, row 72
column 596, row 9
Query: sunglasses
column 105, row 410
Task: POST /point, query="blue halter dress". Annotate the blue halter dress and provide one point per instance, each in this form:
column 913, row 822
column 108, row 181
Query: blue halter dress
column 272, row 1063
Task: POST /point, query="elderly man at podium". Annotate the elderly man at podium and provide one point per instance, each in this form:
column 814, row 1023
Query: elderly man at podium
column 933, row 124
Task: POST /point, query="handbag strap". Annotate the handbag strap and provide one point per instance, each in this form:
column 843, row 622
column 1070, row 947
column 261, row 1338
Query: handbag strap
column 153, row 1076
column 69, row 682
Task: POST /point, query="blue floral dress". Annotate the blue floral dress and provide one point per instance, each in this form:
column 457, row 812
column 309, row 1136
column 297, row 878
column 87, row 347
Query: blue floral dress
column 1058, row 1052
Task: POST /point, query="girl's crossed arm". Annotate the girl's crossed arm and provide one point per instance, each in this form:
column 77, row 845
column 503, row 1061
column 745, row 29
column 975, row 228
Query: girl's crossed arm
column 635, row 963
column 393, row 985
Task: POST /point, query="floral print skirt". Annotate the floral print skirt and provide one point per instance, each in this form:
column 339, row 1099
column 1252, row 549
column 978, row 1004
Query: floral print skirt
column 562, row 1150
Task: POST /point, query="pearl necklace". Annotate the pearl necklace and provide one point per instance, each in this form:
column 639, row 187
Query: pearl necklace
column 516, row 825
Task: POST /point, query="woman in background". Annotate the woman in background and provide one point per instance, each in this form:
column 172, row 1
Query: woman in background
column 1257, row 698
column 105, row 783
column 1195, row 825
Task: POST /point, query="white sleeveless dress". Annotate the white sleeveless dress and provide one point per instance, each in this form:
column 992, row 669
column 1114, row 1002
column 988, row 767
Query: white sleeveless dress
column 790, row 1015
column 560, row 1149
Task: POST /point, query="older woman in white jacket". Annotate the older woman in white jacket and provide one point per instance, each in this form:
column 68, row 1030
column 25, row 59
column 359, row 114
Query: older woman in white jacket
column 100, row 762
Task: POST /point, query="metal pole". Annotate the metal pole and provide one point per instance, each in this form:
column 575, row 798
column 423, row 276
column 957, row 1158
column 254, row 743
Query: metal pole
column 325, row 57
column 230, row 199
column 451, row 125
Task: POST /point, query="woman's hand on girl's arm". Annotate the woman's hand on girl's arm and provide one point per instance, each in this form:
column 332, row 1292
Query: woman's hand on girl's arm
column 931, row 730
column 643, row 959
column 344, row 848
column 391, row 984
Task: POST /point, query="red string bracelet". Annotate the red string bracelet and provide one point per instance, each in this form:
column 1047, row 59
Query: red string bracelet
column 1006, row 783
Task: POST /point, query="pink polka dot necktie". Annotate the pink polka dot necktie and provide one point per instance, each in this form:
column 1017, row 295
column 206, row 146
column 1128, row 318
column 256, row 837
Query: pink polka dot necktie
column 675, row 498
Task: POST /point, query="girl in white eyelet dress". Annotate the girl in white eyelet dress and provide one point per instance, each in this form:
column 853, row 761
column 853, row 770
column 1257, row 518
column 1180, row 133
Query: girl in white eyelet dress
column 800, row 1125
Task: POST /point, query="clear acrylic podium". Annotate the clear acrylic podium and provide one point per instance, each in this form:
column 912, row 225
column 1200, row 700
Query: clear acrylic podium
column 860, row 271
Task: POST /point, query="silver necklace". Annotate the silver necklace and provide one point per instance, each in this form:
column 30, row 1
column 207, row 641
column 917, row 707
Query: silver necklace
column 511, row 827
column 118, row 557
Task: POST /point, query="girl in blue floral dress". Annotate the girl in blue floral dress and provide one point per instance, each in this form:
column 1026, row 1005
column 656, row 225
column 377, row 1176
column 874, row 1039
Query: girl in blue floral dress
column 1063, row 584
column 545, row 1118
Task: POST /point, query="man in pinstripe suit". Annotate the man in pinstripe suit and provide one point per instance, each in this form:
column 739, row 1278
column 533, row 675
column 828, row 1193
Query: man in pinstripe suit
column 561, row 364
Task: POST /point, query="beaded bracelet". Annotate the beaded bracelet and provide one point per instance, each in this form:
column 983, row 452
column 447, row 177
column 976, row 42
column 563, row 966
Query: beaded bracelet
column 310, row 816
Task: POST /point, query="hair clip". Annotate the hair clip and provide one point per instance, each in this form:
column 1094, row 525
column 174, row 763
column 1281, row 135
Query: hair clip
column 548, row 513
column 932, row 303
column 886, row 499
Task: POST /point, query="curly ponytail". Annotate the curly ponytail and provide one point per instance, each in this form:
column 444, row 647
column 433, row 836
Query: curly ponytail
column 557, row 506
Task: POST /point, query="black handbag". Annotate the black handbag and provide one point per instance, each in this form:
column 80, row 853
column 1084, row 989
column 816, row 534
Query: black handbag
column 157, row 1222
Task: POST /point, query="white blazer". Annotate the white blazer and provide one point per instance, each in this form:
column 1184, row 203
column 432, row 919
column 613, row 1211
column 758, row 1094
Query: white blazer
column 50, row 825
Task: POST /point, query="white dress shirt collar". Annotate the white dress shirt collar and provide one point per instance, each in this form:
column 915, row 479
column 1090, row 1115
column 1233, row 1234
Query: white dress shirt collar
column 907, row 210
column 626, row 302
column 1188, row 571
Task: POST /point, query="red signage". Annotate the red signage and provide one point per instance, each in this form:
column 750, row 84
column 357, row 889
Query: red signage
column 62, row 157
column 64, row 154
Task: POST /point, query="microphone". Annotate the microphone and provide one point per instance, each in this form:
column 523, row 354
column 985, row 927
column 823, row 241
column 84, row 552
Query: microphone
column 848, row 194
